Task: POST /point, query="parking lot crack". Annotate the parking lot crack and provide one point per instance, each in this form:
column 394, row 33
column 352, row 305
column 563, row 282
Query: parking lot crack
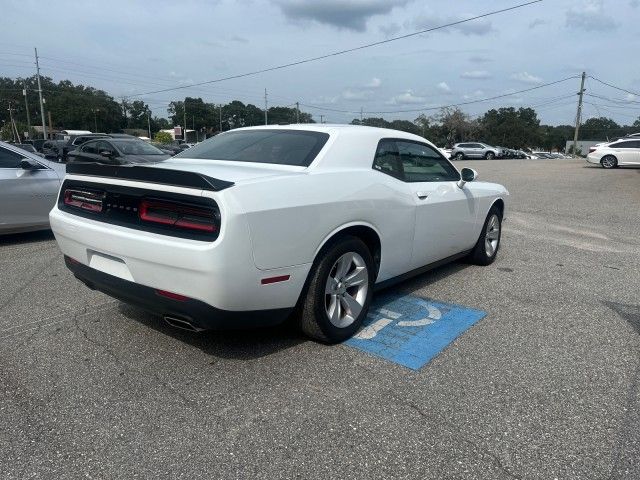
column 454, row 430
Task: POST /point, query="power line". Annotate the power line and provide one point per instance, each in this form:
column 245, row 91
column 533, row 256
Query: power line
column 613, row 86
column 425, row 109
column 342, row 52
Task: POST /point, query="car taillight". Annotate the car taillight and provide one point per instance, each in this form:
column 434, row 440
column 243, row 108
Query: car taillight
column 85, row 199
column 184, row 216
column 592, row 149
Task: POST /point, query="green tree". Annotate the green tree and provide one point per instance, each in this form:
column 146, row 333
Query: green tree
column 163, row 137
column 600, row 128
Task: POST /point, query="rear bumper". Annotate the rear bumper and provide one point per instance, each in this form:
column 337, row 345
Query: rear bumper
column 197, row 313
column 593, row 159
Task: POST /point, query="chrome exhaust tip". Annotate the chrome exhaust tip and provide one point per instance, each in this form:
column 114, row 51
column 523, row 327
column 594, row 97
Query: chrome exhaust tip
column 181, row 323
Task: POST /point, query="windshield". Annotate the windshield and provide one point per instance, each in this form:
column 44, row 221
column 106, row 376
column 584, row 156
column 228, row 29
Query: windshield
column 132, row 147
column 284, row 147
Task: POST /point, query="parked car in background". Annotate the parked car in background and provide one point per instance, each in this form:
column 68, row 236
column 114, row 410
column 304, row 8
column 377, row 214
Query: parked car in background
column 29, row 185
column 461, row 151
column 117, row 151
column 167, row 148
column 247, row 225
column 542, row 155
column 27, row 147
column 54, row 150
column 613, row 154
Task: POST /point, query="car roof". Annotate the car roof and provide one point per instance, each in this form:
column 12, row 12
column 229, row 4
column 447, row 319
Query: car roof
column 624, row 139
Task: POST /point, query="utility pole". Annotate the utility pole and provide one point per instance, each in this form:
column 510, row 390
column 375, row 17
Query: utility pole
column 321, row 116
column 220, row 106
column 149, row 122
column 14, row 129
column 297, row 112
column 26, row 106
column 265, row 107
column 44, row 126
column 578, row 114
column 124, row 112
column 184, row 119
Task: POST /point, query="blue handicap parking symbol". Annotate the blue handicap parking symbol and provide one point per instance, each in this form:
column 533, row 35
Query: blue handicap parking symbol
column 411, row 330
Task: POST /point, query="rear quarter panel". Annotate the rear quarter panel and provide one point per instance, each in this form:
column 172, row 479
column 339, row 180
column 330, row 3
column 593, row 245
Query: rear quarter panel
column 290, row 218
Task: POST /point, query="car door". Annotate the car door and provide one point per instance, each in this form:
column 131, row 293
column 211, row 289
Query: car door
column 446, row 214
column 26, row 196
column 631, row 152
column 87, row 152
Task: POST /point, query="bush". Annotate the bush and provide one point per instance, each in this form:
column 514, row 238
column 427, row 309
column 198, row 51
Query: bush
column 163, row 137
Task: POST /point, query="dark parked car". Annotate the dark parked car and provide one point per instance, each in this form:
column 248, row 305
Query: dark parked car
column 117, row 151
column 28, row 147
column 54, row 150
column 166, row 147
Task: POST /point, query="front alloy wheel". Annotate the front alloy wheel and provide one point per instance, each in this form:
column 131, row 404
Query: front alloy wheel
column 459, row 156
column 490, row 156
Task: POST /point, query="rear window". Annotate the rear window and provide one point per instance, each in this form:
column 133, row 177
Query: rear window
column 284, row 147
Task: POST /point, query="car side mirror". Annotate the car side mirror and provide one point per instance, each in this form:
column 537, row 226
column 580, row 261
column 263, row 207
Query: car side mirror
column 107, row 153
column 467, row 175
column 28, row 164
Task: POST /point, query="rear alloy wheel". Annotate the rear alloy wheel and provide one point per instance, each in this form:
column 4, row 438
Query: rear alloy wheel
column 486, row 249
column 609, row 161
column 339, row 293
column 459, row 156
column 489, row 155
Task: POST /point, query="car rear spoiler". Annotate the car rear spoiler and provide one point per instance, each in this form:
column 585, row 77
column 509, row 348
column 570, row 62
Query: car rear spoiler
column 166, row 176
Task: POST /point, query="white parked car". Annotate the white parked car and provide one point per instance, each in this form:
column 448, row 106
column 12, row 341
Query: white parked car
column 258, row 223
column 625, row 151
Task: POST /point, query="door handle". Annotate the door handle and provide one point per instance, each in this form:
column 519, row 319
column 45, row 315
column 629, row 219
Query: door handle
column 422, row 195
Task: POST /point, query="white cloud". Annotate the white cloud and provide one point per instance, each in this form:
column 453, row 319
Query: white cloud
column 406, row 98
column 443, row 87
column 537, row 22
column 351, row 94
column 481, row 26
column 591, row 16
column 375, row 82
column 476, row 75
column 345, row 14
column 474, row 96
column 526, row 77
column 630, row 97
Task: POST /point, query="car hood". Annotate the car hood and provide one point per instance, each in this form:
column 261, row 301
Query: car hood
column 236, row 172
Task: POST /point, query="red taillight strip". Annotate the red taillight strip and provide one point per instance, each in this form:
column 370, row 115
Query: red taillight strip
column 86, row 200
column 270, row 280
column 177, row 215
column 172, row 296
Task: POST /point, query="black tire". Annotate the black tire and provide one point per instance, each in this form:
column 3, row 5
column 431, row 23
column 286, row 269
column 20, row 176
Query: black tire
column 609, row 161
column 479, row 255
column 459, row 156
column 489, row 156
column 313, row 317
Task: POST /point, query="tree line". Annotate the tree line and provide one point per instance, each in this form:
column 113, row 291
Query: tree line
column 75, row 106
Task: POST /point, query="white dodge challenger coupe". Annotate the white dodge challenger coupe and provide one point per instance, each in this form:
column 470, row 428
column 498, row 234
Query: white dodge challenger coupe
column 259, row 223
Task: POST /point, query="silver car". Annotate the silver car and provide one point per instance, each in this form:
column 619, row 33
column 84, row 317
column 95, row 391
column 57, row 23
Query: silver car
column 29, row 187
column 461, row 151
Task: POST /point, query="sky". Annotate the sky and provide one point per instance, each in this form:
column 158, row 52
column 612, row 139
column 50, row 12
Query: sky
column 129, row 48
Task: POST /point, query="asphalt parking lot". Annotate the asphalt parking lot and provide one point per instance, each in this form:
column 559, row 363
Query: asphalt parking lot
column 546, row 385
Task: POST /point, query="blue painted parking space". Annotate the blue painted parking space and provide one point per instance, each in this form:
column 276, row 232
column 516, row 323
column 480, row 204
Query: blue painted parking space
column 411, row 330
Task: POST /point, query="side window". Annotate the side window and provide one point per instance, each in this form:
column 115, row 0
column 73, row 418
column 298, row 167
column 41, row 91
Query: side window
column 9, row 159
column 387, row 159
column 103, row 146
column 422, row 163
column 90, row 147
